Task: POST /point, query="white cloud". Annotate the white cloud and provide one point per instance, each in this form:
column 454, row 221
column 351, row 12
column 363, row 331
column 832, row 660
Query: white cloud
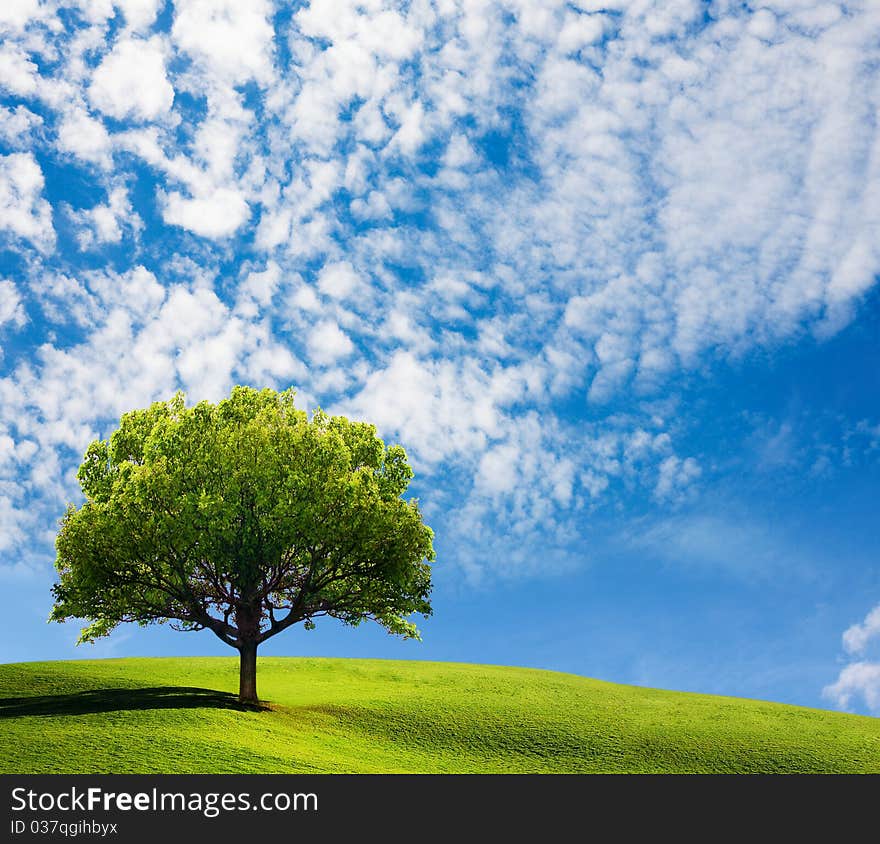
column 498, row 472
column 858, row 679
column 232, row 39
column 17, row 14
column 857, row 637
column 11, row 307
column 139, row 14
column 106, row 223
column 23, row 211
column 17, row 126
column 94, row 11
column 217, row 215
column 580, row 31
column 256, row 292
column 443, row 408
column 383, row 31
column 13, row 525
column 675, row 477
column 84, row 136
column 338, row 280
column 411, row 134
column 763, row 24
column 328, row 343
column 131, row 82
column 18, row 74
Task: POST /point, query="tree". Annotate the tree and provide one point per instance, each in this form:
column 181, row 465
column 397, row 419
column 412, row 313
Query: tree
column 242, row 518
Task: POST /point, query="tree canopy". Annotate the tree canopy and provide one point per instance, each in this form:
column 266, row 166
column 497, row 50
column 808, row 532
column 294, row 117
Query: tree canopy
column 242, row 517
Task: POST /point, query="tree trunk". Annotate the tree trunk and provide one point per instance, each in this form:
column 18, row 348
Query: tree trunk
column 247, row 675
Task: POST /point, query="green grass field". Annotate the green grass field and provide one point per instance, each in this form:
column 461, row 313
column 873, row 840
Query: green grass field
column 336, row 715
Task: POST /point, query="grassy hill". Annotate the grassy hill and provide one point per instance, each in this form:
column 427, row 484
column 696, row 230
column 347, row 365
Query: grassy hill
column 334, row 715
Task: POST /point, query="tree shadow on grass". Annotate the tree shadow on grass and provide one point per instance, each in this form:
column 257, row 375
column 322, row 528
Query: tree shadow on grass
column 115, row 700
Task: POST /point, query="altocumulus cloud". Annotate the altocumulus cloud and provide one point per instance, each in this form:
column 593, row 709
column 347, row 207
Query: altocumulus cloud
column 452, row 218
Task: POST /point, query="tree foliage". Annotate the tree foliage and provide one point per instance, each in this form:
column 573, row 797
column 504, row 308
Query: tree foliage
column 242, row 517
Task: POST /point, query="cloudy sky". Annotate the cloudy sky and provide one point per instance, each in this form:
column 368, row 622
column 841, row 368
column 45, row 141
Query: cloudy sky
column 606, row 268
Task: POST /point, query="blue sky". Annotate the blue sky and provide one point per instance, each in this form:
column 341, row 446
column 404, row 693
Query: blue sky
column 606, row 269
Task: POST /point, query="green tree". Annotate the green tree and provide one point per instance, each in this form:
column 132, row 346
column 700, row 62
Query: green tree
column 242, row 518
